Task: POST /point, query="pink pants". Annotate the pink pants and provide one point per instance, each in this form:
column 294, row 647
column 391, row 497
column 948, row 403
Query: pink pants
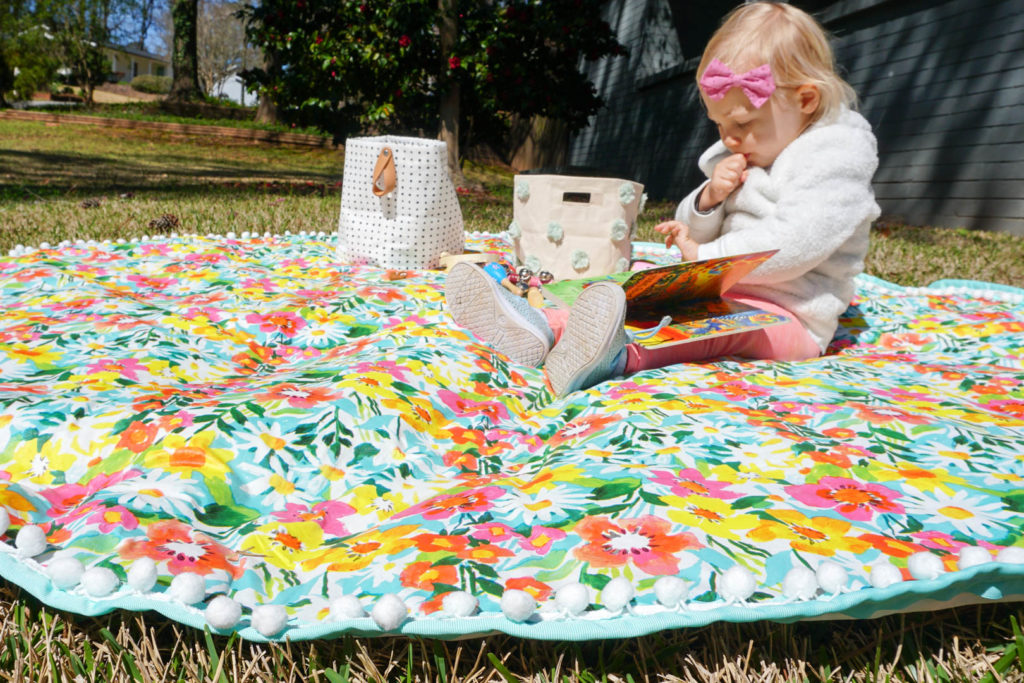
column 788, row 342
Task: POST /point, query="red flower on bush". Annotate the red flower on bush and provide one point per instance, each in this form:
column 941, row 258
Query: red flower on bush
column 454, row 62
column 404, row 41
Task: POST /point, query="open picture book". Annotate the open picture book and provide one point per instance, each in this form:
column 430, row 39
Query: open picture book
column 690, row 293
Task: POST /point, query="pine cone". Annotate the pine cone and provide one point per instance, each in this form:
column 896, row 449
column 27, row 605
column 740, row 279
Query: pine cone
column 90, row 203
column 166, row 222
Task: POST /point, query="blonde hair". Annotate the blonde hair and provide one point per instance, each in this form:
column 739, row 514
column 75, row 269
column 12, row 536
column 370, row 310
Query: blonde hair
column 791, row 42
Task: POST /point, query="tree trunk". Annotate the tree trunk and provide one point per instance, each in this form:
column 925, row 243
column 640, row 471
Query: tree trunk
column 449, row 113
column 184, row 55
column 267, row 111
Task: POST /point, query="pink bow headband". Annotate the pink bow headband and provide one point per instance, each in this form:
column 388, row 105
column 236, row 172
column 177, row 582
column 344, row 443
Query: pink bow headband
column 757, row 84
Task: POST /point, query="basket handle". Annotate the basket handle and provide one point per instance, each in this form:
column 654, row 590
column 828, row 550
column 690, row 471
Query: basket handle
column 384, row 176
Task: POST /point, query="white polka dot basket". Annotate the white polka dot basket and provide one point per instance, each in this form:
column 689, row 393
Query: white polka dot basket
column 574, row 226
column 407, row 222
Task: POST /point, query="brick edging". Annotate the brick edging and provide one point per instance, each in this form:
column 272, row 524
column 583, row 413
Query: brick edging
column 187, row 128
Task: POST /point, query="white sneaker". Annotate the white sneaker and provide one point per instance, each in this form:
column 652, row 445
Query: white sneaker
column 505, row 321
column 592, row 347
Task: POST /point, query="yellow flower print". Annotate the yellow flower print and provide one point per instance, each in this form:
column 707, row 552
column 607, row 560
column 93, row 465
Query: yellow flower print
column 419, row 414
column 193, row 455
column 285, row 544
column 14, row 501
column 711, row 515
column 548, row 478
column 359, row 551
column 917, row 477
column 367, row 500
column 38, row 465
column 818, row 535
column 42, row 356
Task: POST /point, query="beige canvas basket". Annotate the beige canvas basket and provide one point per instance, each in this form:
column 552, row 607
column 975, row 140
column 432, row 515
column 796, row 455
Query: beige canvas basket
column 574, row 226
column 398, row 204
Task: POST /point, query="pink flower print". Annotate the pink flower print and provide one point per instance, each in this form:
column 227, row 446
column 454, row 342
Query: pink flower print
column 445, row 506
column 280, row 321
column 207, row 257
column 208, row 312
column 690, row 482
column 327, row 514
column 146, row 282
column 465, row 407
column 264, row 283
column 112, row 518
column 386, row 367
column 127, row 367
column 151, row 249
column 541, row 538
column 494, row 532
column 852, row 499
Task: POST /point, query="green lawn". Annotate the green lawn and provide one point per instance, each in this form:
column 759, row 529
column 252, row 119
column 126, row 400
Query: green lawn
column 48, row 171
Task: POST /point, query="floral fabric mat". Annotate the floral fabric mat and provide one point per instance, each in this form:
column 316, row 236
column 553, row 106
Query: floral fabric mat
column 303, row 440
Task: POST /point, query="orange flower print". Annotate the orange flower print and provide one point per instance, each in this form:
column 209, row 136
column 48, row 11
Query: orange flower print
column 581, row 428
column 183, row 549
column 644, row 541
column 424, row 575
column 138, row 436
column 297, row 395
column 538, row 589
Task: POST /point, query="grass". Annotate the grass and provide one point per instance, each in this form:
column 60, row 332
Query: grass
column 47, row 171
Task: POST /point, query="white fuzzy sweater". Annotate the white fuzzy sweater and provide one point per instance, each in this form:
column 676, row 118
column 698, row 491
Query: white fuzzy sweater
column 814, row 204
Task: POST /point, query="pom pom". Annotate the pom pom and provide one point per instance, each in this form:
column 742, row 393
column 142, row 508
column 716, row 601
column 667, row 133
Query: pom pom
column 99, row 582
column 1011, row 555
column 617, row 593
column 622, row 265
column 619, row 230
column 737, row 583
column 972, row 556
column 30, row 541
column 831, row 577
column 671, row 590
column 188, row 588
column 269, row 620
column 533, row 264
column 580, row 260
column 5, row 521
column 223, row 613
column 924, row 565
column 884, row 575
column 627, row 193
column 389, row 612
column 517, row 605
column 514, row 231
column 572, row 599
column 800, row 583
column 347, row 607
column 555, row 231
column 142, row 575
column 642, row 204
column 65, row 572
column 522, row 190
column 459, row 604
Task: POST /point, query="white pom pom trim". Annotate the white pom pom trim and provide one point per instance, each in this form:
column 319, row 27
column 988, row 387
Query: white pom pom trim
column 347, row 607
column 269, row 620
column 99, row 582
column 800, row 583
column 737, row 584
column 617, row 594
column 389, row 612
column 30, row 541
column 972, row 556
column 189, row 588
column 572, row 599
column 459, row 604
column 832, row 577
column 671, row 591
column 884, row 575
column 223, row 613
column 925, row 565
column 142, row 575
column 517, row 605
column 65, row 572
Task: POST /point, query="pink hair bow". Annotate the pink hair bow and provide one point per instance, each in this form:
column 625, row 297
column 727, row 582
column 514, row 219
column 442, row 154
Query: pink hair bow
column 757, row 84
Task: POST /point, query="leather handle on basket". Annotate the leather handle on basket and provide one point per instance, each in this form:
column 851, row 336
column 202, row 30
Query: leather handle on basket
column 384, row 177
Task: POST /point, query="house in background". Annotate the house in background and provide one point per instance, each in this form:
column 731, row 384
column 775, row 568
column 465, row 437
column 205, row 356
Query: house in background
column 941, row 81
column 128, row 62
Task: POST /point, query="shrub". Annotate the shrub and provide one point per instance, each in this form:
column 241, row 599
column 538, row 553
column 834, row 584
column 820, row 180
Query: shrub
column 158, row 85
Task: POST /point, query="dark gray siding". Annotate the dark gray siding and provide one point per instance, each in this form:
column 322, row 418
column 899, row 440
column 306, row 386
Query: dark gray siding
column 941, row 82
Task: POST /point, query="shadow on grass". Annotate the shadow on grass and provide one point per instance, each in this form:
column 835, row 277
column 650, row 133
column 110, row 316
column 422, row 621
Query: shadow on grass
column 33, row 175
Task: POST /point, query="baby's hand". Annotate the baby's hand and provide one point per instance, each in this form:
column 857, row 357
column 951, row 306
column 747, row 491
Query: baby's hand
column 729, row 173
column 678, row 233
